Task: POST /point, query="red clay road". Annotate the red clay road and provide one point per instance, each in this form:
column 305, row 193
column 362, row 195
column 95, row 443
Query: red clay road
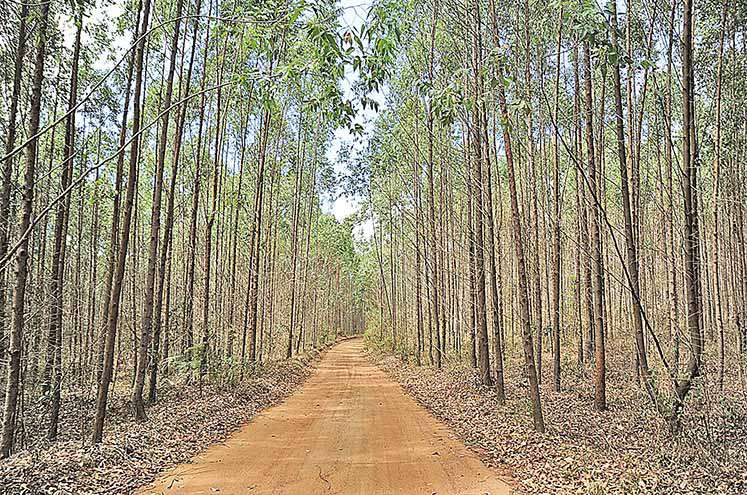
column 349, row 430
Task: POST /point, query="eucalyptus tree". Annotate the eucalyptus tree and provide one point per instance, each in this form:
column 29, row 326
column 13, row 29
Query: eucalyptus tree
column 21, row 270
column 124, row 239
column 146, row 331
column 8, row 160
column 53, row 368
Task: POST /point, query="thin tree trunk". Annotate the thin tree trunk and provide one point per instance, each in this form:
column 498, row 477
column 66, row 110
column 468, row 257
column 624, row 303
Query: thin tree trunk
column 116, row 292
column 146, row 330
column 716, row 202
column 191, row 265
column 8, row 165
column 600, row 381
column 523, row 290
column 630, row 235
column 691, row 211
column 556, row 268
column 483, row 356
column 53, row 376
column 296, row 213
column 430, row 259
column 169, row 226
column 20, row 274
column 256, row 236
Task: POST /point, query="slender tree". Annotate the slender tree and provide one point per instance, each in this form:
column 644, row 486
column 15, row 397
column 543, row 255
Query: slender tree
column 124, row 241
column 21, row 269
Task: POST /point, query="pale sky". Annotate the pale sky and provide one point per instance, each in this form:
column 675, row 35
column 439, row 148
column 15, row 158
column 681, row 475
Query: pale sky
column 354, row 14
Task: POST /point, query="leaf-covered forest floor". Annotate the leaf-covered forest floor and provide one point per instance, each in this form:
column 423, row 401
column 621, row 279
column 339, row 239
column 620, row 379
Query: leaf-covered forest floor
column 626, row 450
column 183, row 422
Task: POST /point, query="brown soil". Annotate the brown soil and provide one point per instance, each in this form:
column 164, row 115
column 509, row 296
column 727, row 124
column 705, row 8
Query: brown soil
column 349, row 430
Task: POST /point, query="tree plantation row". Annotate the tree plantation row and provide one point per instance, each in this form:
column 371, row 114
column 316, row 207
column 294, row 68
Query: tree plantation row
column 163, row 174
column 563, row 180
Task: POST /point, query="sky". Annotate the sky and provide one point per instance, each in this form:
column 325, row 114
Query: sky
column 353, row 15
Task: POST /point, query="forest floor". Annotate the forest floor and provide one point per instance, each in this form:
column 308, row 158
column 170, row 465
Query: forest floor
column 349, row 430
column 185, row 421
column 626, row 450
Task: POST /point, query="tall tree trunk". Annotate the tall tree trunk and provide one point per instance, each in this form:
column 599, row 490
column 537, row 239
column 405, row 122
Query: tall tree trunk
column 416, row 173
column 144, row 359
column 691, row 213
column 256, row 235
column 192, row 263
column 116, row 291
column 8, row 165
column 220, row 119
column 556, row 268
column 483, row 356
column 20, row 274
column 523, row 289
column 673, row 275
column 296, row 214
column 600, row 380
column 430, row 260
column 630, row 234
column 53, row 375
column 532, row 206
column 494, row 269
column 168, row 229
column 111, row 255
column 716, row 201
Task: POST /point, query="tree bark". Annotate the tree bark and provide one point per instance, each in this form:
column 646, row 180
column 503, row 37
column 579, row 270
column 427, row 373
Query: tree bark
column 556, row 268
column 20, row 274
column 691, row 214
column 116, row 291
column 8, row 165
column 146, row 329
column 53, row 372
column 630, row 235
column 518, row 234
column 600, row 381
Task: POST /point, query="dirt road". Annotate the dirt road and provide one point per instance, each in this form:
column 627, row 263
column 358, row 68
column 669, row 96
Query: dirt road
column 349, row 430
